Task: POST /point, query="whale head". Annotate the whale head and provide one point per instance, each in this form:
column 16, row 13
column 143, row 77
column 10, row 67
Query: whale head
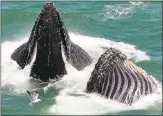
column 45, row 41
column 48, row 22
column 48, row 38
column 49, row 62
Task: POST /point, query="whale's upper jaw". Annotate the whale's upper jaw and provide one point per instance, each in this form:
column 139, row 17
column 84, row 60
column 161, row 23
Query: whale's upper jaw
column 49, row 9
column 49, row 5
column 48, row 18
column 48, row 22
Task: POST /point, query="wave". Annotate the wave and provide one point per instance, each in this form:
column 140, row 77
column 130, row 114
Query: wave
column 122, row 11
column 95, row 104
column 72, row 99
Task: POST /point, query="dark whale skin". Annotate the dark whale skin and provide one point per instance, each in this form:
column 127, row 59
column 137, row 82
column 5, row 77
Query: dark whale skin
column 116, row 78
column 48, row 37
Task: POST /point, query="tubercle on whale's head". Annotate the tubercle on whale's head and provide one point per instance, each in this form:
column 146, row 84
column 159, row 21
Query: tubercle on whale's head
column 49, row 6
column 48, row 17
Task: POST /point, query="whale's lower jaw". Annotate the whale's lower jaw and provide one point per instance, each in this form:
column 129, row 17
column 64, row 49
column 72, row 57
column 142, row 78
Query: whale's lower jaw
column 116, row 78
column 49, row 62
column 48, row 78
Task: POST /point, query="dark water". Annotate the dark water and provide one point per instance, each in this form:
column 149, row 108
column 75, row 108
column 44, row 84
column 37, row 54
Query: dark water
column 135, row 23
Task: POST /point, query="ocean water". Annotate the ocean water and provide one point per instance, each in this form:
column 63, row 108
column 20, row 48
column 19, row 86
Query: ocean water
column 135, row 28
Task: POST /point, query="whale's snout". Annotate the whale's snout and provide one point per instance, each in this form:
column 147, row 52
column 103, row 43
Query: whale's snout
column 48, row 17
column 49, row 5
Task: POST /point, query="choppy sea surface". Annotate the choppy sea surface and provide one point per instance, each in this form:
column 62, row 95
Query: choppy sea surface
column 135, row 28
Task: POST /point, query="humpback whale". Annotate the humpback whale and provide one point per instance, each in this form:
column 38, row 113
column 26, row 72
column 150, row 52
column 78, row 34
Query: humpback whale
column 114, row 77
column 48, row 38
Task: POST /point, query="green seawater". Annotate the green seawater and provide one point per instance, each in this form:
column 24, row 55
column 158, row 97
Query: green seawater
column 135, row 23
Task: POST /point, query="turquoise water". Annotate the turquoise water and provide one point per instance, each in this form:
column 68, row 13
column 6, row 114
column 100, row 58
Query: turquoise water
column 135, row 28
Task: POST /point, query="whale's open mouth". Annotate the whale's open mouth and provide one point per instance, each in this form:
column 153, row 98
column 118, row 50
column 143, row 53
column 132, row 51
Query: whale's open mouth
column 48, row 35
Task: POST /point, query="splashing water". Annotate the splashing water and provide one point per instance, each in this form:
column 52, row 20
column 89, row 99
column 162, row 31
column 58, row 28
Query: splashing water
column 72, row 99
column 121, row 11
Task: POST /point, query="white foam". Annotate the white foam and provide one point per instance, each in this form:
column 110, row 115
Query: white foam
column 95, row 104
column 75, row 81
column 94, row 46
column 72, row 99
column 121, row 11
